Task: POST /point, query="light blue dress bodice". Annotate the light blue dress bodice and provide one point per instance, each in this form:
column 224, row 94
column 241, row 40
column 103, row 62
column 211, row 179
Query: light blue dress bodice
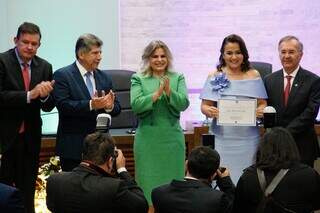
column 237, row 89
column 235, row 144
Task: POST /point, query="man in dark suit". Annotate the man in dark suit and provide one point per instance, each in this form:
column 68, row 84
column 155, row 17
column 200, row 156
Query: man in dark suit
column 25, row 84
column 194, row 193
column 81, row 92
column 10, row 199
column 294, row 93
column 93, row 186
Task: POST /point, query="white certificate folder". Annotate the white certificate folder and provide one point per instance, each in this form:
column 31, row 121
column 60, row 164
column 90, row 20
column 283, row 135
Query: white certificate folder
column 237, row 112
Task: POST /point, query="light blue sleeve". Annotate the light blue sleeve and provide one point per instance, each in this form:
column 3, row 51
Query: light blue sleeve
column 207, row 92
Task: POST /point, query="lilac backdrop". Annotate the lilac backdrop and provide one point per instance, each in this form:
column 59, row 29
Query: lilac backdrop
column 194, row 29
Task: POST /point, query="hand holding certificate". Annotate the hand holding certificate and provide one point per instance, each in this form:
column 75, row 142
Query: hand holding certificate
column 237, row 112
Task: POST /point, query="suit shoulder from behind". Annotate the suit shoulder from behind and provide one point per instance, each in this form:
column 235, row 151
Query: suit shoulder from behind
column 161, row 189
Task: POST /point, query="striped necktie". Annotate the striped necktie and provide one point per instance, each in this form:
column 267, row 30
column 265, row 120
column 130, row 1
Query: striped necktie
column 89, row 83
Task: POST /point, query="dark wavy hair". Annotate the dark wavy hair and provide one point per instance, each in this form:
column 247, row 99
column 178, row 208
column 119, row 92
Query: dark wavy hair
column 277, row 150
column 233, row 38
column 98, row 148
column 203, row 162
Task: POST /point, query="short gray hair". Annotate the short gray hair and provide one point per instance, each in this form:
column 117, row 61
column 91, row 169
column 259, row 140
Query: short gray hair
column 291, row 37
column 85, row 42
column 149, row 50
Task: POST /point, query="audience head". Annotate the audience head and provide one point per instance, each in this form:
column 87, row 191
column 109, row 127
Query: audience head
column 27, row 41
column 203, row 162
column 277, row 150
column 98, row 148
column 290, row 52
column 234, row 46
column 156, row 57
column 88, row 51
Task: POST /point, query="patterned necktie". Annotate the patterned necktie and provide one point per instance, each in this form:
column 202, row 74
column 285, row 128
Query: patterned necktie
column 287, row 90
column 26, row 81
column 89, row 83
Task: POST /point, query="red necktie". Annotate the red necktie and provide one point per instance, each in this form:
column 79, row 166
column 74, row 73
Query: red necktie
column 26, row 80
column 287, row 90
column 26, row 77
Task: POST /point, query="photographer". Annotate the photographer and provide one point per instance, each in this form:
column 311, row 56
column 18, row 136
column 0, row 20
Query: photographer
column 194, row 193
column 99, row 184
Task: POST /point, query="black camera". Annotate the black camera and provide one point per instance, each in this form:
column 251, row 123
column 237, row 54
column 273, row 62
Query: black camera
column 114, row 166
column 222, row 170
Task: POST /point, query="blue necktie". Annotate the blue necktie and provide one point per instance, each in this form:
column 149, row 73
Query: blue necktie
column 89, row 83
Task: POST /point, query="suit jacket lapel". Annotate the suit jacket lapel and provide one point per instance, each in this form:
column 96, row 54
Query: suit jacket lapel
column 296, row 84
column 16, row 70
column 278, row 84
column 78, row 78
column 97, row 81
column 35, row 73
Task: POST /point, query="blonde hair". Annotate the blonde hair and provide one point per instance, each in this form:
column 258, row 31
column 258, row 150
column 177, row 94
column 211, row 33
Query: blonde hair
column 147, row 53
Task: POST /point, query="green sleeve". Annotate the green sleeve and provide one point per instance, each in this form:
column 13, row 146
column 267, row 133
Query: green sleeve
column 178, row 100
column 141, row 104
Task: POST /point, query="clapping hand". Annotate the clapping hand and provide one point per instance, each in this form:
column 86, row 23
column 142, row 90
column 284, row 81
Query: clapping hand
column 42, row 89
column 104, row 101
column 110, row 100
column 156, row 95
column 166, row 85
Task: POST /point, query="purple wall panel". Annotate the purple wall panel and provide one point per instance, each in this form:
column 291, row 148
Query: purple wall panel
column 194, row 31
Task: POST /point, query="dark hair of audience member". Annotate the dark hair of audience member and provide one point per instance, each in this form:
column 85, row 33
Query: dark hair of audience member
column 233, row 38
column 277, row 150
column 98, row 148
column 203, row 162
column 27, row 27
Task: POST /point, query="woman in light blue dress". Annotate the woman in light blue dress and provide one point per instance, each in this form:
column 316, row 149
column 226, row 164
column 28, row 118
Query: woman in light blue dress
column 234, row 79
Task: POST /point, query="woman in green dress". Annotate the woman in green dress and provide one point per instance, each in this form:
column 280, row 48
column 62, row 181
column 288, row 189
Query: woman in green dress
column 158, row 95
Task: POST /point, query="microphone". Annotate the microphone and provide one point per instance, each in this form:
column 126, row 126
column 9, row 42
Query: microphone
column 103, row 122
column 269, row 117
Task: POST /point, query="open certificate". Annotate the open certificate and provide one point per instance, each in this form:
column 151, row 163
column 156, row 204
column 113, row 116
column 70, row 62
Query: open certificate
column 237, row 112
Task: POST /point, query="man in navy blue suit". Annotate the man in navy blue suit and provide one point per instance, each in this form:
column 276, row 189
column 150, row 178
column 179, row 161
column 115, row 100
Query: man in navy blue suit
column 81, row 92
column 10, row 199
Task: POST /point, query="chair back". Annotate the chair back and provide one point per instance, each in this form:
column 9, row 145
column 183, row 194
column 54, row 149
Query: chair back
column 262, row 67
column 121, row 81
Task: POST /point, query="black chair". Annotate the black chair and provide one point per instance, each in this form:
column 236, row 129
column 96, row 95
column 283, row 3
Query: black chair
column 121, row 80
column 263, row 68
